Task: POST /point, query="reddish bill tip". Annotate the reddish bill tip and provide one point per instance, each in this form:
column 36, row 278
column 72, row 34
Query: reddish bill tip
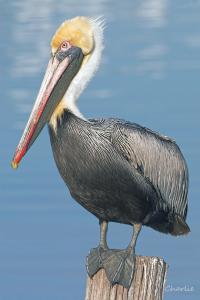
column 17, row 157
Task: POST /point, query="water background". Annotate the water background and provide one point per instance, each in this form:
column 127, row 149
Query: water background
column 150, row 75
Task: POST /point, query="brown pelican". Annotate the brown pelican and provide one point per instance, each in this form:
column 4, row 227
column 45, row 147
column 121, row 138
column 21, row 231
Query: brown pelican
column 119, row 171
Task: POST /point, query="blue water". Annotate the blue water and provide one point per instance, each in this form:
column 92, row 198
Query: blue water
column 150, row 75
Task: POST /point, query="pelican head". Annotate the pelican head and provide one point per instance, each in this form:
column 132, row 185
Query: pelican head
column 75, row 54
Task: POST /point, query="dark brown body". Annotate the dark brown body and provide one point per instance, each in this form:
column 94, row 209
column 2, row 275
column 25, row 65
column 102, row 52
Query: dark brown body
column 95, row 160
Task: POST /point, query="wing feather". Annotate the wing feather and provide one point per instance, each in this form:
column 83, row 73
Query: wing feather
column 158, row 159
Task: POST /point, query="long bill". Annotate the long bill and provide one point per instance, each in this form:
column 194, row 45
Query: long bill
column 58, row 76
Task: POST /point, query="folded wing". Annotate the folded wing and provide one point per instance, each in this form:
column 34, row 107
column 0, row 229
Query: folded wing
column 158, row 159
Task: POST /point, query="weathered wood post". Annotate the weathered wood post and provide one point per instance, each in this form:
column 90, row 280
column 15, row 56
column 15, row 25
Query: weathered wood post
column 148, row 282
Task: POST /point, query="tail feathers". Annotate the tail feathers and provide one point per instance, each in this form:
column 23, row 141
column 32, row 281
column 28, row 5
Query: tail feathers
column 167, row 223
column 179, row 227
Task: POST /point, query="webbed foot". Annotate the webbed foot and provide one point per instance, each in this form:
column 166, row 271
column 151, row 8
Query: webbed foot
column 94, row 262
column 119, row 265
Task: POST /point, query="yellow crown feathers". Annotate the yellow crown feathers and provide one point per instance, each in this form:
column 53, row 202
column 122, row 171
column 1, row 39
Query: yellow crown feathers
column 77, row 31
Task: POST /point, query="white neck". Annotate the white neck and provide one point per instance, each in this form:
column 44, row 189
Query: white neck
column 87, row 71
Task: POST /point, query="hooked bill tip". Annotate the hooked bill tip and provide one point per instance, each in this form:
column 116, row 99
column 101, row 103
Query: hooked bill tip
column 14, row 165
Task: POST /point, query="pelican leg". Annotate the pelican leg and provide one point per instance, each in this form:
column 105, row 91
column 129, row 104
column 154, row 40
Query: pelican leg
column 119, row 265
column 94, row 262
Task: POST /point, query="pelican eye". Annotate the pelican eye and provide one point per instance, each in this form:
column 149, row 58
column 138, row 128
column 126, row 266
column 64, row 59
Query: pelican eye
column 63, row 50
column 65, row 45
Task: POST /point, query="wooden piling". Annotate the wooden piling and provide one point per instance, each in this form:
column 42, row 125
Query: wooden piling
column 148, row 282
